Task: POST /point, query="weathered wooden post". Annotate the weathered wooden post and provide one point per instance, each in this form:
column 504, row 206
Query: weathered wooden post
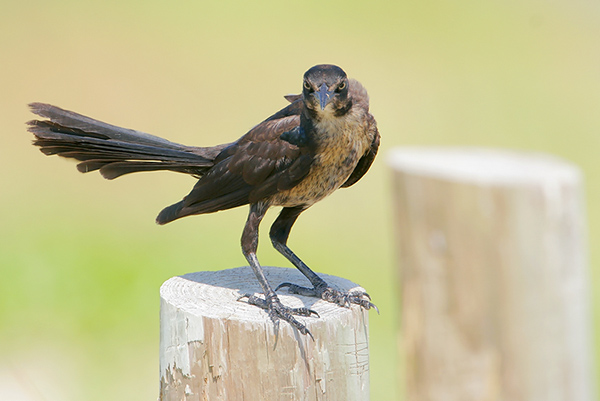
column 213, row 347
column 494, row 276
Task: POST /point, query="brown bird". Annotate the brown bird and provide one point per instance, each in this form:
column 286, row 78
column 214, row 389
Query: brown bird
column 324, row 140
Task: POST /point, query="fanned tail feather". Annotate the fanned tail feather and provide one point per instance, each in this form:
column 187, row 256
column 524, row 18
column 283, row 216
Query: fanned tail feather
column 113, row 150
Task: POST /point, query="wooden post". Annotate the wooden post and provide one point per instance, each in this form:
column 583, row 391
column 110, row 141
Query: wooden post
column 214, row 347
column 494, row 276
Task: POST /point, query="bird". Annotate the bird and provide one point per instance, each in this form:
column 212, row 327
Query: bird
column 323, row 140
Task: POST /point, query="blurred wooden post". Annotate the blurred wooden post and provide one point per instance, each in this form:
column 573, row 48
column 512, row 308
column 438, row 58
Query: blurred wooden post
column 494, row 276
column 213, row 347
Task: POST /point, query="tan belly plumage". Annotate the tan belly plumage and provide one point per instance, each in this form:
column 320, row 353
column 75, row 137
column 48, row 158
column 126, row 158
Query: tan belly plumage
column 330, row 169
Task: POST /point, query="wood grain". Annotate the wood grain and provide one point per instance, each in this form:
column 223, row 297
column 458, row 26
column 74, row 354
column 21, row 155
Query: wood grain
column 214, row 347
column 494, row 276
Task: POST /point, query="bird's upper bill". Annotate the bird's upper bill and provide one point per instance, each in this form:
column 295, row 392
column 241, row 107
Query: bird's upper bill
column 325, row 85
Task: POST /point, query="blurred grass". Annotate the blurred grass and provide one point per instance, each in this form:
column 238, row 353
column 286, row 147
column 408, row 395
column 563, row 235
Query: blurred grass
column 81, row 258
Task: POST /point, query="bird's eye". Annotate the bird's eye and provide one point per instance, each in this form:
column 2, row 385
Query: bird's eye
column 341, row 86
column 306, row 85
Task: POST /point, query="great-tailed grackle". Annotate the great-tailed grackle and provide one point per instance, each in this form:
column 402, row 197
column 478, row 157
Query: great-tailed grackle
column 324, row 140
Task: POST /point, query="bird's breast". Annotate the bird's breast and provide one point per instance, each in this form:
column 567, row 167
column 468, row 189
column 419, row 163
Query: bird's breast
column 340, row 145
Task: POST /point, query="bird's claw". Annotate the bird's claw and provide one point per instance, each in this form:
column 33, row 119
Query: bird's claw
column 277, row 311
column 345, row 299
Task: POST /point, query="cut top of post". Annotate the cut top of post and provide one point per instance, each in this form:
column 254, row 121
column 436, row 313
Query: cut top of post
column 188, row 301
column 481, row 165
column 215, row 294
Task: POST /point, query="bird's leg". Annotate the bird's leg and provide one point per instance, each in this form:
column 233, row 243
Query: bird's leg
column 280, row 231
column 271, row 303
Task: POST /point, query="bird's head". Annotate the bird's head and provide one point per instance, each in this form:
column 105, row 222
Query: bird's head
column 325, row 89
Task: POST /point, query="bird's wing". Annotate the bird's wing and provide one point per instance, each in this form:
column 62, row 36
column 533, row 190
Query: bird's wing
column 292, row 98
column 256, row 166
column 367, row 159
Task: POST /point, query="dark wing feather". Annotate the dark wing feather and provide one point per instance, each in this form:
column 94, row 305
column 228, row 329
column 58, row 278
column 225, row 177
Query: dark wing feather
column 248, row 170
column 292, row 98
column 288, row 178
column 293, row 109
column 367, row 159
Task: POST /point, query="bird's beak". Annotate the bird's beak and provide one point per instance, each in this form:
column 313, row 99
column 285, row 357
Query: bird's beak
column 323, row 95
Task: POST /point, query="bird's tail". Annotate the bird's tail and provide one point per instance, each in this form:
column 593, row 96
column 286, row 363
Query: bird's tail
column 113, row 150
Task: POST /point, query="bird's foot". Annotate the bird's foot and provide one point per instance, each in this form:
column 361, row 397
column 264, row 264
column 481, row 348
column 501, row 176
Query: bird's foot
column 345, row 299
column 277, row 311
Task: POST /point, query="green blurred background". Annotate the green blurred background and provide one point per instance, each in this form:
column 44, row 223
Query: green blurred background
column 81, row 258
